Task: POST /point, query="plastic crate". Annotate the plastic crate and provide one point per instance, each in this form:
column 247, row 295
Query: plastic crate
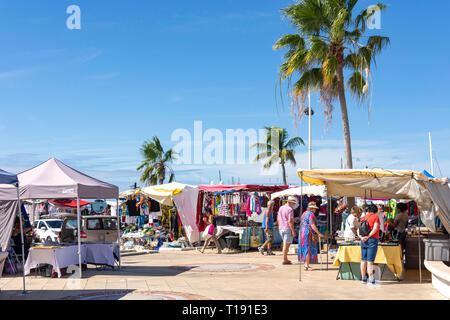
column 437, row 250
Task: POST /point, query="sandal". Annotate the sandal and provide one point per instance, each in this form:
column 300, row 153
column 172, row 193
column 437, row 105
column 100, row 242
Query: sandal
column 287, row 262
column 309, row 269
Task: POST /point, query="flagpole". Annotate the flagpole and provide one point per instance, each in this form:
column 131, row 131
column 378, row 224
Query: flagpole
column 309, row 142
column 431, row 154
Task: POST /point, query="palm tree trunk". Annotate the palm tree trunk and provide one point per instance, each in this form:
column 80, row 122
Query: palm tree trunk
column 345, row 122
column 163, row 175
column 284, row 173
column 345, row 125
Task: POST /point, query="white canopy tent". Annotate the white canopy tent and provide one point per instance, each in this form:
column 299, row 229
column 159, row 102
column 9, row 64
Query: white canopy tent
column 308, row 190
column 431, row 195
column 184, row 197
column 55, row 180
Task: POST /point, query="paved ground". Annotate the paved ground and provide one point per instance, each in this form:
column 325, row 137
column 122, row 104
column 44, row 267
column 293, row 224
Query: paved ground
column 192, row 275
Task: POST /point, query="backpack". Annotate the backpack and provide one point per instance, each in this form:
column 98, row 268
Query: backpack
column 364, row 228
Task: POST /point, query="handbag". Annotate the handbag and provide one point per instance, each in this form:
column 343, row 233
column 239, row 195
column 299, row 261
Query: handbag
column 314, row 237
column 209, row 231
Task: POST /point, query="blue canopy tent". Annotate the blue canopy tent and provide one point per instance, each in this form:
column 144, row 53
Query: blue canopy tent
column 9, row 206
column 425, row 172
column 8, row 178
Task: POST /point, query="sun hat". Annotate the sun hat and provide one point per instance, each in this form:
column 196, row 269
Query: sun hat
column 312, row 205
column 292, row 199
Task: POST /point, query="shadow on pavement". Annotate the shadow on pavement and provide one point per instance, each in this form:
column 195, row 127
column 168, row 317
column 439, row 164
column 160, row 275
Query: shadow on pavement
column 130, row 294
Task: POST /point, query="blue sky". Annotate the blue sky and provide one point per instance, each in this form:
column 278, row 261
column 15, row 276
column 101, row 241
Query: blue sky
column 138, row 68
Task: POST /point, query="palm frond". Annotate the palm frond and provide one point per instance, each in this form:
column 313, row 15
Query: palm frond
column 292, row 41
column 262, row 156
column 294, row 143
column 358, row 86
column 271, row 161
column 290, row 157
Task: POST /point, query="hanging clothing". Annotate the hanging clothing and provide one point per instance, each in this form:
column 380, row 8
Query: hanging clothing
column 131, row 205
column 154, row 206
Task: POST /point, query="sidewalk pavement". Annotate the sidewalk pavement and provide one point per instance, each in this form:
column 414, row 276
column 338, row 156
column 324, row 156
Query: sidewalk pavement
column 192, row 275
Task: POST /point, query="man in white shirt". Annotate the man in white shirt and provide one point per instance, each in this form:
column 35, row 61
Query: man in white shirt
column 352, row 224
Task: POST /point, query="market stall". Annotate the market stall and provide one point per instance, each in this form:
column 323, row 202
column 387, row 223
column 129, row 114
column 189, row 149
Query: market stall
column 61, row 257
column 387, row 255
column 426, row 192
column 159, row 215
column 53, row 180
column 238, row 209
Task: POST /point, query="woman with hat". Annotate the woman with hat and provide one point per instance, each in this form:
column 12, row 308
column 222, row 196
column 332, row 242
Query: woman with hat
column 307, row 244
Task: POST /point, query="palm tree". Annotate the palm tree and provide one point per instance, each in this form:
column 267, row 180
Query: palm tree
column 278, row 149
column 328, row 41
column 155, row 162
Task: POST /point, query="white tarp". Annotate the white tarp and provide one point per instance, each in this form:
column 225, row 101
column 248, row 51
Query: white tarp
column 186, row 202
column 390, row 184
column 8, row 212
column 185, row 198
column 308, row 190
column 55, row 180
column 441, row 198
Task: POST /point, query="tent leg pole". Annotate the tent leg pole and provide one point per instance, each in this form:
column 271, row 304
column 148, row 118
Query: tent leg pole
column 320, row 253
column 118, row 229
column 21, row 239
column 79, row 237
column 328, row 201
column 299, row 231
column 420, row 256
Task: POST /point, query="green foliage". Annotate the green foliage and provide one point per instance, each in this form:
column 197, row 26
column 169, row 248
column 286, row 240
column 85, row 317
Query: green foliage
column 278, row 148
column 329, row 39
column 155, row 163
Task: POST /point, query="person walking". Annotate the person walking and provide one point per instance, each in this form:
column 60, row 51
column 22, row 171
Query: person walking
column 352, row 224
column 267, row 226
column 286, row 225
column 369, row 243
column 211, row 234
column 307, row 244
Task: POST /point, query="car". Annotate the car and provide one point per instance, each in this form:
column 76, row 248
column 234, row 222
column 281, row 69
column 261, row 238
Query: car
column 94, row 229
column 47, row 229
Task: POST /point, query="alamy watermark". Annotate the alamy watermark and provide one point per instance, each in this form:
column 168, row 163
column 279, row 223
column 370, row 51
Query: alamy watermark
column 214, row 147
column 374, row 21
column 74, row 20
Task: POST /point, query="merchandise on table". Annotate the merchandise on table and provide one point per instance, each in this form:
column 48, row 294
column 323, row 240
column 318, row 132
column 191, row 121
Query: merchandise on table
column 149, row 223
column 238, row 209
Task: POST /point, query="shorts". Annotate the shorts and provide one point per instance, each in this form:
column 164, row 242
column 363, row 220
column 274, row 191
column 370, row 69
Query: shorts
column 269, row 235
column 369, row 250
column 286, row 235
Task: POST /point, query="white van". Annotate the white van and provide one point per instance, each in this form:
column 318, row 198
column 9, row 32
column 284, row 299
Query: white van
column 94, row 229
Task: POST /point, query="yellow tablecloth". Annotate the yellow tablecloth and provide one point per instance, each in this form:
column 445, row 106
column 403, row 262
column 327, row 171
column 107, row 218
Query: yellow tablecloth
column 389, row 255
